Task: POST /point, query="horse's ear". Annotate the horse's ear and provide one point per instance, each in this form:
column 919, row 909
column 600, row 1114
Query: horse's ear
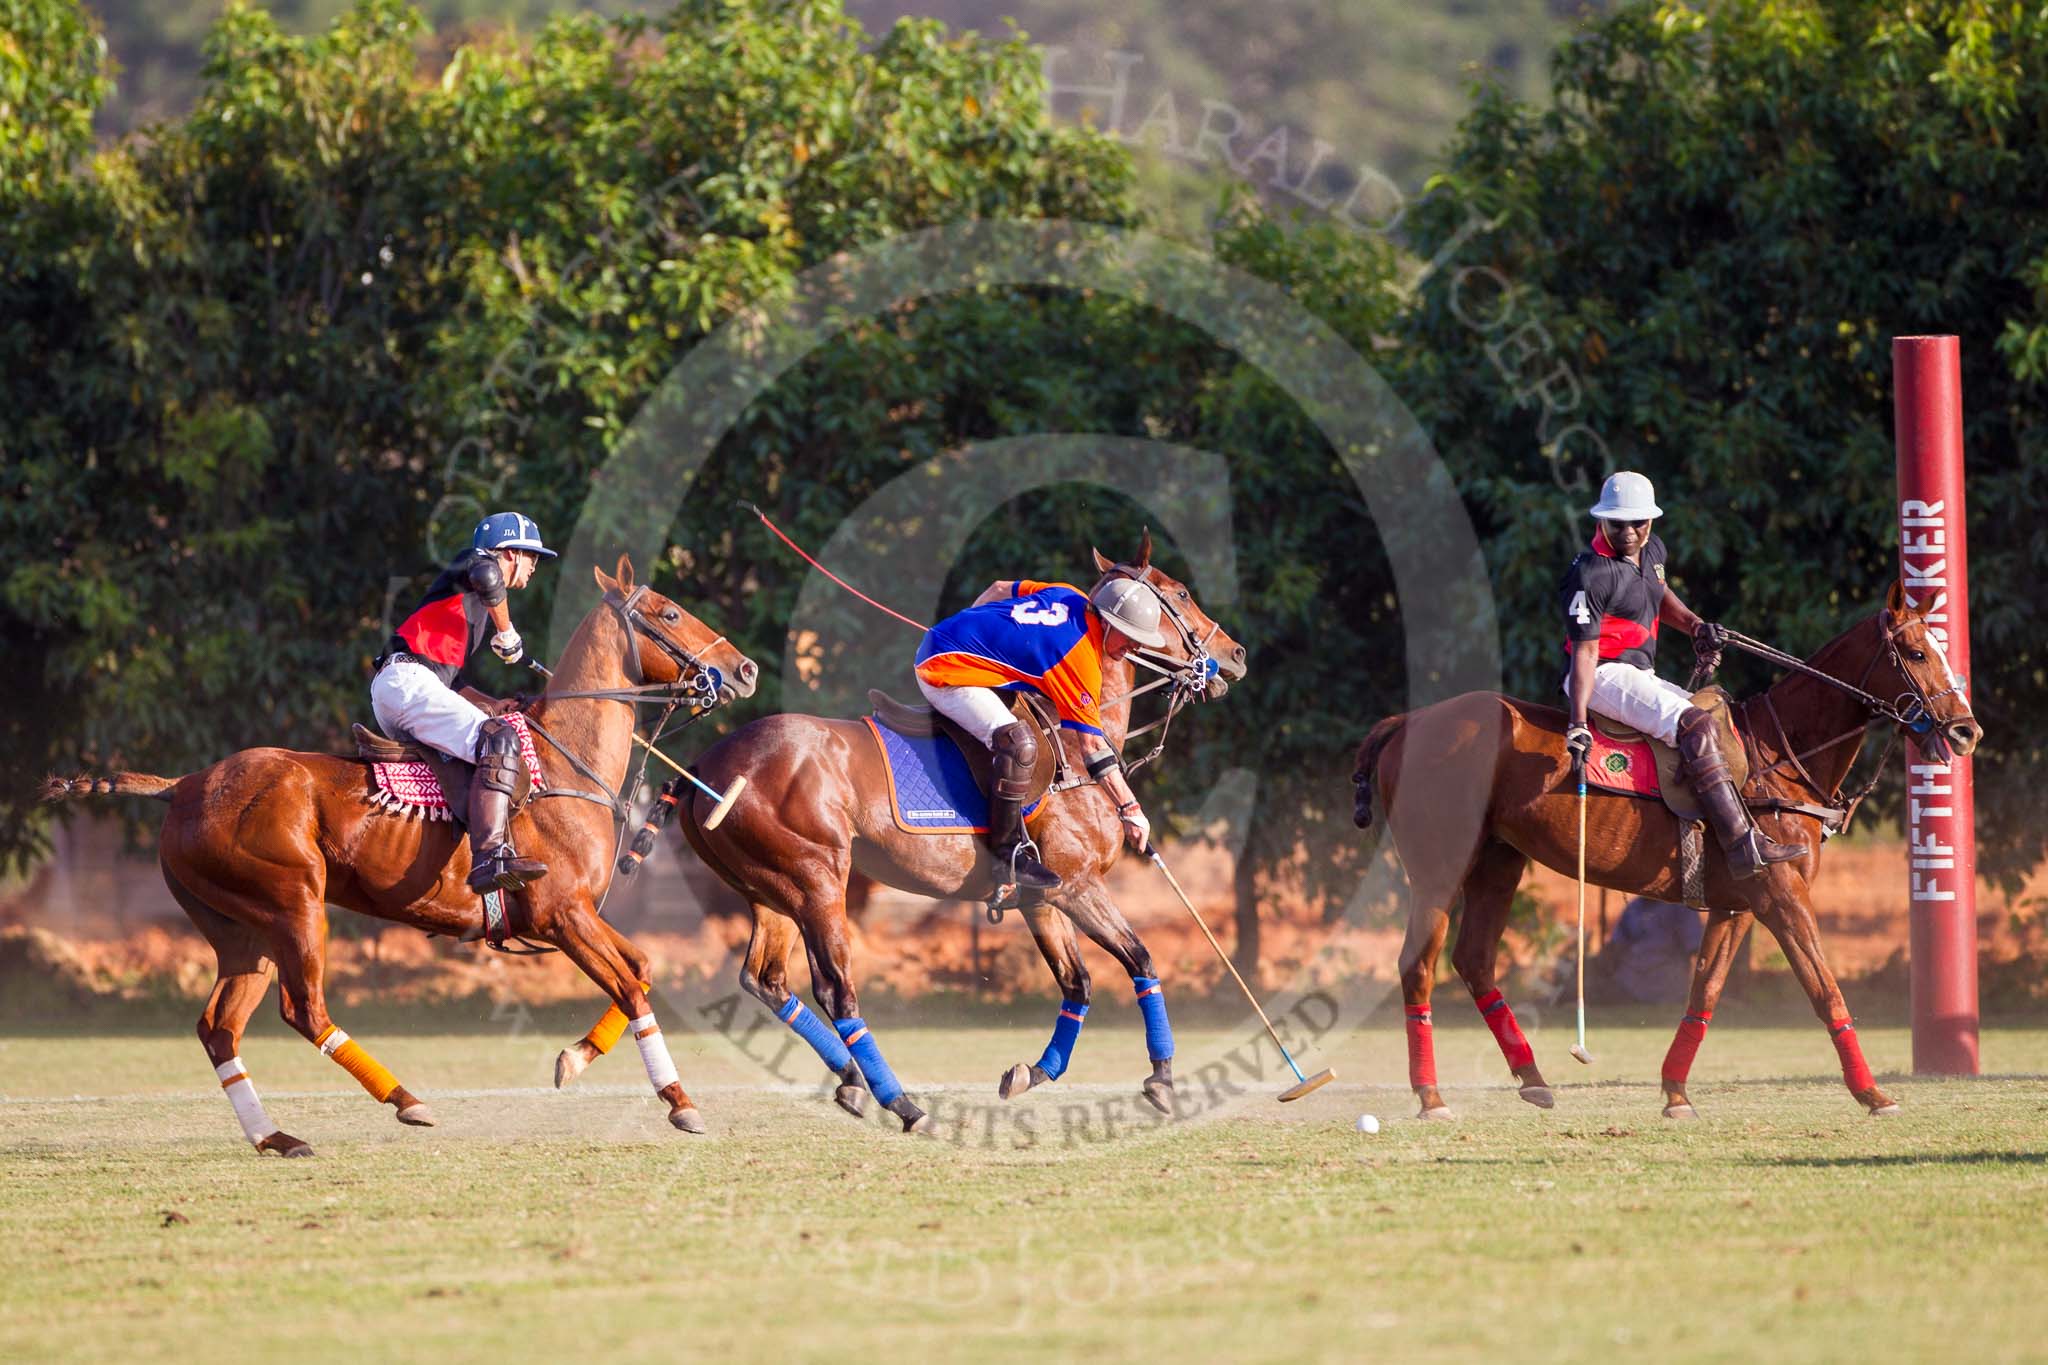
column 604, row 580
column 1103, row 563
column 1144, row 560
column 1895, row 600
column 625, row 573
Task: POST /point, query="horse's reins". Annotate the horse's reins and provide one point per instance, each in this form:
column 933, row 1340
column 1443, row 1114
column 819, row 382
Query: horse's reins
column 1916, row 715
column 1189, row 680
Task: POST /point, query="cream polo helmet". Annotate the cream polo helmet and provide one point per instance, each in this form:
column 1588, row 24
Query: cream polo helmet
column 1131, row 607
column 1626, row 496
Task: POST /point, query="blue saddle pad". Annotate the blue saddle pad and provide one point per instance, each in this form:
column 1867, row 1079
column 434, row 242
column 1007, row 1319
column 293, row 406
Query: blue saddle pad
column 931, row 788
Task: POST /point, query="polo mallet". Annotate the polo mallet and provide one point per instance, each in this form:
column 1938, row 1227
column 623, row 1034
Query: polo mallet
column 1579, row 1048
column 1307, row 1083
column 718, row 812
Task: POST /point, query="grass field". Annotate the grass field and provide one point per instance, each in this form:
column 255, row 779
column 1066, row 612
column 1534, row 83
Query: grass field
column 532, row 1224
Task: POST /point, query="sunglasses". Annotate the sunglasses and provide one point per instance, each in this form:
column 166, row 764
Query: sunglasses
column 1632, row 525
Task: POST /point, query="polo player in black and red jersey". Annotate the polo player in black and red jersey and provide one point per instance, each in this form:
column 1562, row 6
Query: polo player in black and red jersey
column 414, row 696
column 1614, row 597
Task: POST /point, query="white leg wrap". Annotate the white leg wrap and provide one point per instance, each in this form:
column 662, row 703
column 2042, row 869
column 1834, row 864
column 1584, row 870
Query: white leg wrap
column 241, row 1093
column 661, row 1069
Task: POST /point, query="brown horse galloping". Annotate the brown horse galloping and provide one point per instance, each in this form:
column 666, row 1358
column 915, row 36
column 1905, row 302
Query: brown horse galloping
column 1803, row 735
column 256, row 846
column 818, row 806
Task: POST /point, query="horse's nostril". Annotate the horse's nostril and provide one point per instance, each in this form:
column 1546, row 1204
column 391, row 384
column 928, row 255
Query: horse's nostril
column 746, row 670
column 1238, row 654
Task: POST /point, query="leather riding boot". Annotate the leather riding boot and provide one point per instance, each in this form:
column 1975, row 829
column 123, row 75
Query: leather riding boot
column 1016, row 754
column 494, row 865
column 1699, row 752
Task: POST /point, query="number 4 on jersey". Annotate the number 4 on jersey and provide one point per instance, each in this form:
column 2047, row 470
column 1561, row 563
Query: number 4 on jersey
column 1579, row 611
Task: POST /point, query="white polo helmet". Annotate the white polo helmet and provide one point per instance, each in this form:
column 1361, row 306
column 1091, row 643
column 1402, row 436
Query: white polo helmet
column 1132, row 607
column 1627, row 496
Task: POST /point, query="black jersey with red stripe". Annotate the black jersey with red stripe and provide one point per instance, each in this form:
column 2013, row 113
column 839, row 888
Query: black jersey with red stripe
column 1608, row 599
column 451, row 621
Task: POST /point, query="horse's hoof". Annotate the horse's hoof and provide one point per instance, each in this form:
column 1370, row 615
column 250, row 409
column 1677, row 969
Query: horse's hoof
column 1680, row 1111
column 920, row 1125
column 1540, row 1096
column 1885, row 1111
column 285, row 1145
column 568, row 1066
column 1015, row 1081
column 416, row 1115
column 1440, row 1113
column 853, row 1099
column 688, row 1119
column 1159, row 1094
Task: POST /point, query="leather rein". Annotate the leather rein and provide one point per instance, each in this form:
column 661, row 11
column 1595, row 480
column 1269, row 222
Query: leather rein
column 698, row 685
column 1912, row 710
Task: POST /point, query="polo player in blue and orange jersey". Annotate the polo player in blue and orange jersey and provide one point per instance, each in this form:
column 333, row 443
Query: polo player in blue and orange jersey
column 1050, row 638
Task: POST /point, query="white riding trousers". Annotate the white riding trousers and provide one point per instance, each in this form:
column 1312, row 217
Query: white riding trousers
column 1638, row 698
column 980, row 711
column 410, row 701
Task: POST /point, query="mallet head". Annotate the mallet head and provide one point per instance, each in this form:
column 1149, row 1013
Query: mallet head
column 1579, row 1054
column 1315, row 1082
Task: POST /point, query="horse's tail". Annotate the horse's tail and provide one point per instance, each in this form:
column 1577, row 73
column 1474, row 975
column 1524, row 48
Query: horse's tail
column 1367, row 767
column 115, row 784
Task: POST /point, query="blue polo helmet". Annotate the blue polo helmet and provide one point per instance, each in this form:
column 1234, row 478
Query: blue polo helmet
column 509, row 531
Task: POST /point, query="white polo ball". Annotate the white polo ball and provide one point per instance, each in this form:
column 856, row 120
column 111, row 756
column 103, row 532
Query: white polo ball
column 1368, row 1124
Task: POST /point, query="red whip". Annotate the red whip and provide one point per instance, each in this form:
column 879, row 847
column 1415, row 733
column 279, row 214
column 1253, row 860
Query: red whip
column 827, row 572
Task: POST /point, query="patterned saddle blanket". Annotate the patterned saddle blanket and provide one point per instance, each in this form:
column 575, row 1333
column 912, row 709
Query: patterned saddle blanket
column 932, row 790
column 411, row 786
column 1628, row 761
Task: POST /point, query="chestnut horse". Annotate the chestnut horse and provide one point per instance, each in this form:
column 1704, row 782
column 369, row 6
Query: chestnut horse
column 1803, row 735
column 257, row 846
column 818, row 806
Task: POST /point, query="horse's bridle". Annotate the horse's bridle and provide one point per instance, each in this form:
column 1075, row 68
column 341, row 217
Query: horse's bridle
column 698, row 685
column 1912, row 711
column 1190, row 678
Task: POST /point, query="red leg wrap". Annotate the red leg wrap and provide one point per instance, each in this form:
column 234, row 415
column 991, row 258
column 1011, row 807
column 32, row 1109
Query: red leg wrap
column 1678, row 1061
column 1421, row 1048
column 1855, row 1071
column 1513, row 1046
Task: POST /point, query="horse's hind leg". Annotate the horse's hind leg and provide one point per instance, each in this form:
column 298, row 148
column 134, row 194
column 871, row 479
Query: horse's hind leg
column 1429, row 922
column 765, row 976
column 301, row 955
column 243, row 976
column 1489, row 895
column 1097, row 916
column 824, row 931
column 1053, row 931
column 1722, row 936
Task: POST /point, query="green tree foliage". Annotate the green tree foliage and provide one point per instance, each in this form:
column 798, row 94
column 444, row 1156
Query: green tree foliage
column 275, row 358
column 1707, row 243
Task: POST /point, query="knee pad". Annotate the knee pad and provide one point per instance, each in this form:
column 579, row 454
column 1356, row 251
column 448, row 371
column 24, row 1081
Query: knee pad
column 1016, row 754
column 497, row 756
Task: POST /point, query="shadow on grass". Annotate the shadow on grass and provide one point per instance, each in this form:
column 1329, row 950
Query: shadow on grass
column 1908, row 1159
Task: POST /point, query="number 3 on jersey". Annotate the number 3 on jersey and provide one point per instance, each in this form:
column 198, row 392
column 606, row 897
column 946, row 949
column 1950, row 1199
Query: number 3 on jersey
column 1029, row 613
column 1579, row 611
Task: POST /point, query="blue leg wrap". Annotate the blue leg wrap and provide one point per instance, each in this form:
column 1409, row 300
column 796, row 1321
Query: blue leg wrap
column 812, row 1030
column 881, row 1080
column 1158, row 1033
column 1066, row 1031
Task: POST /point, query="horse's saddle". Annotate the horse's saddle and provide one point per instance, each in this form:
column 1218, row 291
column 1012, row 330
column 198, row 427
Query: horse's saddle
column 1676, row 790
column 921, row 722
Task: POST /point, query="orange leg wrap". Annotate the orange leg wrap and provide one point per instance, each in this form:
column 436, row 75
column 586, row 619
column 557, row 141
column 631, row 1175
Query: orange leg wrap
column 604, row 1035
column 350, row 1057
